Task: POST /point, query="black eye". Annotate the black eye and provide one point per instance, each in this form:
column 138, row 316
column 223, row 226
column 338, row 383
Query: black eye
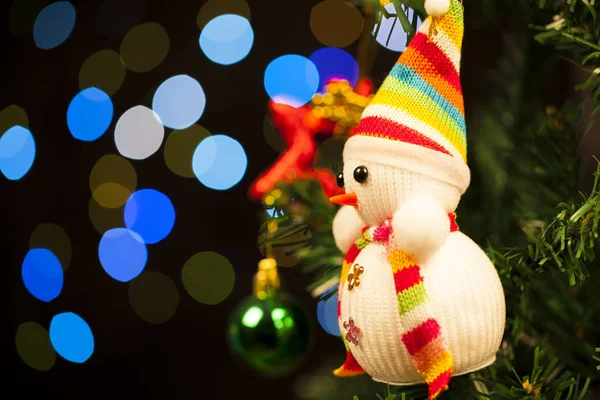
column 340, row 180
column 360, row 174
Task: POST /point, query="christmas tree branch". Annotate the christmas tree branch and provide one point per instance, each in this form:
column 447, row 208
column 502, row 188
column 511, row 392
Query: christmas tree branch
column 575, row 30
column 312, row 208
column 547, row 382
column 566, row 243
column 374, row 11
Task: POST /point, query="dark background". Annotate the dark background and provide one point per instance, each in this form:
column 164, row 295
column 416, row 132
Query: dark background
column 187, row 357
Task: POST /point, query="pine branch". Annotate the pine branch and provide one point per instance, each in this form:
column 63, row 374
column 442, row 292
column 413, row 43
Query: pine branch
column 566, row 244
column 596, row 358
column 311, row 207
column 548, row 380
column 523, row 160
column 575, row 30
column 544, row 382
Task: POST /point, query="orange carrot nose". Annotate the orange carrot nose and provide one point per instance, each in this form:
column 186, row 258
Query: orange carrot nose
column 348, row 199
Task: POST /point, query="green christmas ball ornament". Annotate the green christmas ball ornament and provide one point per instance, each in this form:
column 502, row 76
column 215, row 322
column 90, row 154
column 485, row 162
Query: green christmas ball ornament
column 270, row 331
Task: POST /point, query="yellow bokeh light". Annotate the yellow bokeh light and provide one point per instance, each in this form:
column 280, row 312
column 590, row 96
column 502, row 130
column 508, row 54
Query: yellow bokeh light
column 180, row 147
column 214, row 8
column 145, row 47
column 276, row 193
column 154, row 297
column 11, row 116
column 284, row 240
column 336, row 23
column 112, row 180
column 271, row 136
column 111, row 195
column 34, row 346
column 269, row 200
column 22, row 14
column 104, row 219
column 52, row 237
column 272, row 226
column 208, row 277
column 103, row 70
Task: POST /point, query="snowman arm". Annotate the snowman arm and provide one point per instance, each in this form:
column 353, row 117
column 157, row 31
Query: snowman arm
column 420, row 227
column 347, row 227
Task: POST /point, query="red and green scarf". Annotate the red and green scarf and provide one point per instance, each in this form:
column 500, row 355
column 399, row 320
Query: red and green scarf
column 424, row 342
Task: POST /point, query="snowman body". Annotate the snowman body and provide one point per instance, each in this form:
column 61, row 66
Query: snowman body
column 466, row 297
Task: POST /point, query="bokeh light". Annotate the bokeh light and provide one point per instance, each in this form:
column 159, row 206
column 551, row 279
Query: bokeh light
column 112, row 181
column 42, row 274
column 336, row 23
column 179, row 102
column 319, row 385
column 271, row 212
column 390, row 34
column 104, row 219
column 227, row 39
column 122, row 254
column 291, row 79
column 54, row 238
column 116, row 17
column 11, row 116
column 329, row 154
column 179, row 149
column 208, row 277
column 17, row 152
column 219, row 162
column 272, row 136
column 22, row 14
column 150, row 214
column 54, row 25
column 89, row 115
column 284, row 240
column 103, row 70
column 327, row 313
column 33, row 346
column 154, row 297
column 139, row 133
column 145, row 47
column 111, row 195
column 213, row 8
column 71, row 337
column 334, row 63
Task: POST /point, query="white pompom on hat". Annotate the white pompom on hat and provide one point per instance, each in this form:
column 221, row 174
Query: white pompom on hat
column 436, row 8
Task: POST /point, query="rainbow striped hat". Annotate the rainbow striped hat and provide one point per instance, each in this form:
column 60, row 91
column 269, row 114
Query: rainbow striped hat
column 416, row 120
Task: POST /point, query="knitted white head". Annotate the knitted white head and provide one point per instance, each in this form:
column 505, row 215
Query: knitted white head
column 382, row 189
column 408, row 154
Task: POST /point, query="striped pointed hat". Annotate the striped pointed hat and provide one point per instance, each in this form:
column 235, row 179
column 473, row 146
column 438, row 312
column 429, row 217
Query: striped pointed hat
column 416, row 119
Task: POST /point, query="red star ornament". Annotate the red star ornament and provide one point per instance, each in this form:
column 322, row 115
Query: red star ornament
column 298, row 128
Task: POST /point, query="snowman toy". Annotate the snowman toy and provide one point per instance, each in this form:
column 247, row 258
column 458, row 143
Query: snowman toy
column 418, row 300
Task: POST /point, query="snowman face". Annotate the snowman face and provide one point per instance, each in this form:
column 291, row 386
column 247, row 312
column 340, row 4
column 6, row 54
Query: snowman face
column 379, row 190
column 369, row 183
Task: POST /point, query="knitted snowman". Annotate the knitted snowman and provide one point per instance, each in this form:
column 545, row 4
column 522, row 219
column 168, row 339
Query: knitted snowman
column 418, row 300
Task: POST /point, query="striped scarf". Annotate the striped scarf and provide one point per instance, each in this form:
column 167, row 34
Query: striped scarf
column 421, row 333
